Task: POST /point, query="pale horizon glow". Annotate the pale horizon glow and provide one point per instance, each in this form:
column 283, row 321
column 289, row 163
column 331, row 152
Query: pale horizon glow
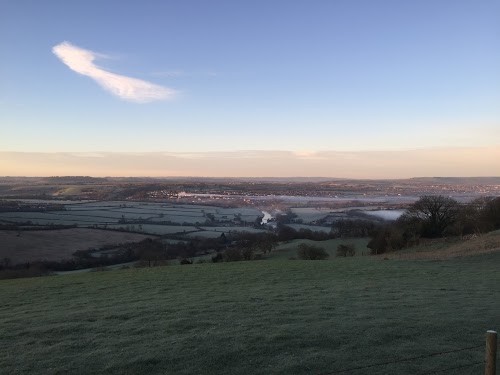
column 444, row 162
column 132, row 89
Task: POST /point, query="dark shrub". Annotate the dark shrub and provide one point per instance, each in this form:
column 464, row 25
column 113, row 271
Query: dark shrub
column 247, row 253
column 346, row 250
column 233, row 255
column 217, row 258
column 311, row 252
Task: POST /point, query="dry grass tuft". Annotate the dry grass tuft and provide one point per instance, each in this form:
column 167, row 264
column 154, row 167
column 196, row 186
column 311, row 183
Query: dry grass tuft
column 451, row 248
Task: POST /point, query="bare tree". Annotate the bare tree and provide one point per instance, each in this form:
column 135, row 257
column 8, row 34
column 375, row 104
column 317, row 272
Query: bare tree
column 433, row 213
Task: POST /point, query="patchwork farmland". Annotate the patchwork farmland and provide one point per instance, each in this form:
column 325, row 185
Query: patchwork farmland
column 148, row 218
column 95, row 227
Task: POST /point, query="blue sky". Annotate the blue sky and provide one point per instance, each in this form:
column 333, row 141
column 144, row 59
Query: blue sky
column 300, row 76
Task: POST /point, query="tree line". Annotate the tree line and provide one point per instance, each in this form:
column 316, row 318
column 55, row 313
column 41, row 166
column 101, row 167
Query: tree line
column 436, row 217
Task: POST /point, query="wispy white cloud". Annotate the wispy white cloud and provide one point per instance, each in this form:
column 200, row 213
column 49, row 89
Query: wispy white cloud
column 132, row 89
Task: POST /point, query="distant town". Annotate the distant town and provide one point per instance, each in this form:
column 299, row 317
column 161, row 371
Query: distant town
column 245, row 192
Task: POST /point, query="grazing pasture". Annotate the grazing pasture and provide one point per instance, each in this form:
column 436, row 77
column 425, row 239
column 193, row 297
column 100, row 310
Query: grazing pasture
column 310, row 214
column 181, row 218
column 213, row 232
column 54, row 245
column 280, row 317
column 111, row 213
column 55, row 217
column 204, row 234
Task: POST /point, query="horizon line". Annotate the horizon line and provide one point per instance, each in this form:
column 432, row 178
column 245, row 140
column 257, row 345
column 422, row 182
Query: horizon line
column 246, row 177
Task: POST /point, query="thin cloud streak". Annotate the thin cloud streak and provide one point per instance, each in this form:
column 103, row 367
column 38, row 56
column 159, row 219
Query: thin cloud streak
column 131, row 89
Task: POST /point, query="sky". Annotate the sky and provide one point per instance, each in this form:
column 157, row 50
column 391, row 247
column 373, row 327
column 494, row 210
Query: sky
column 340, row 88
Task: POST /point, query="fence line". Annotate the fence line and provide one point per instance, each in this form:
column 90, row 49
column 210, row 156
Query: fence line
column 490, row 359
column 411, row 359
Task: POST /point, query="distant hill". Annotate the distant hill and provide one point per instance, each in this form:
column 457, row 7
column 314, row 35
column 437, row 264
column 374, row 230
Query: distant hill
column 458, row 180
column 89, row 179
column 54, row 180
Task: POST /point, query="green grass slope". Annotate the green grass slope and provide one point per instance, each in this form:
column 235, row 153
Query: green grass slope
column 280, row 317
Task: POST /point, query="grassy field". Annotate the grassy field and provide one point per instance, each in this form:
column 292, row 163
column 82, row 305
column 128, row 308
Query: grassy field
column 280, row 317
column 214, row 232
column 58, row 244
column 308, row 214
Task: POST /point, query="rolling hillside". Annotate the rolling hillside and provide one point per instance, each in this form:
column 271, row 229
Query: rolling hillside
column 262, row 317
